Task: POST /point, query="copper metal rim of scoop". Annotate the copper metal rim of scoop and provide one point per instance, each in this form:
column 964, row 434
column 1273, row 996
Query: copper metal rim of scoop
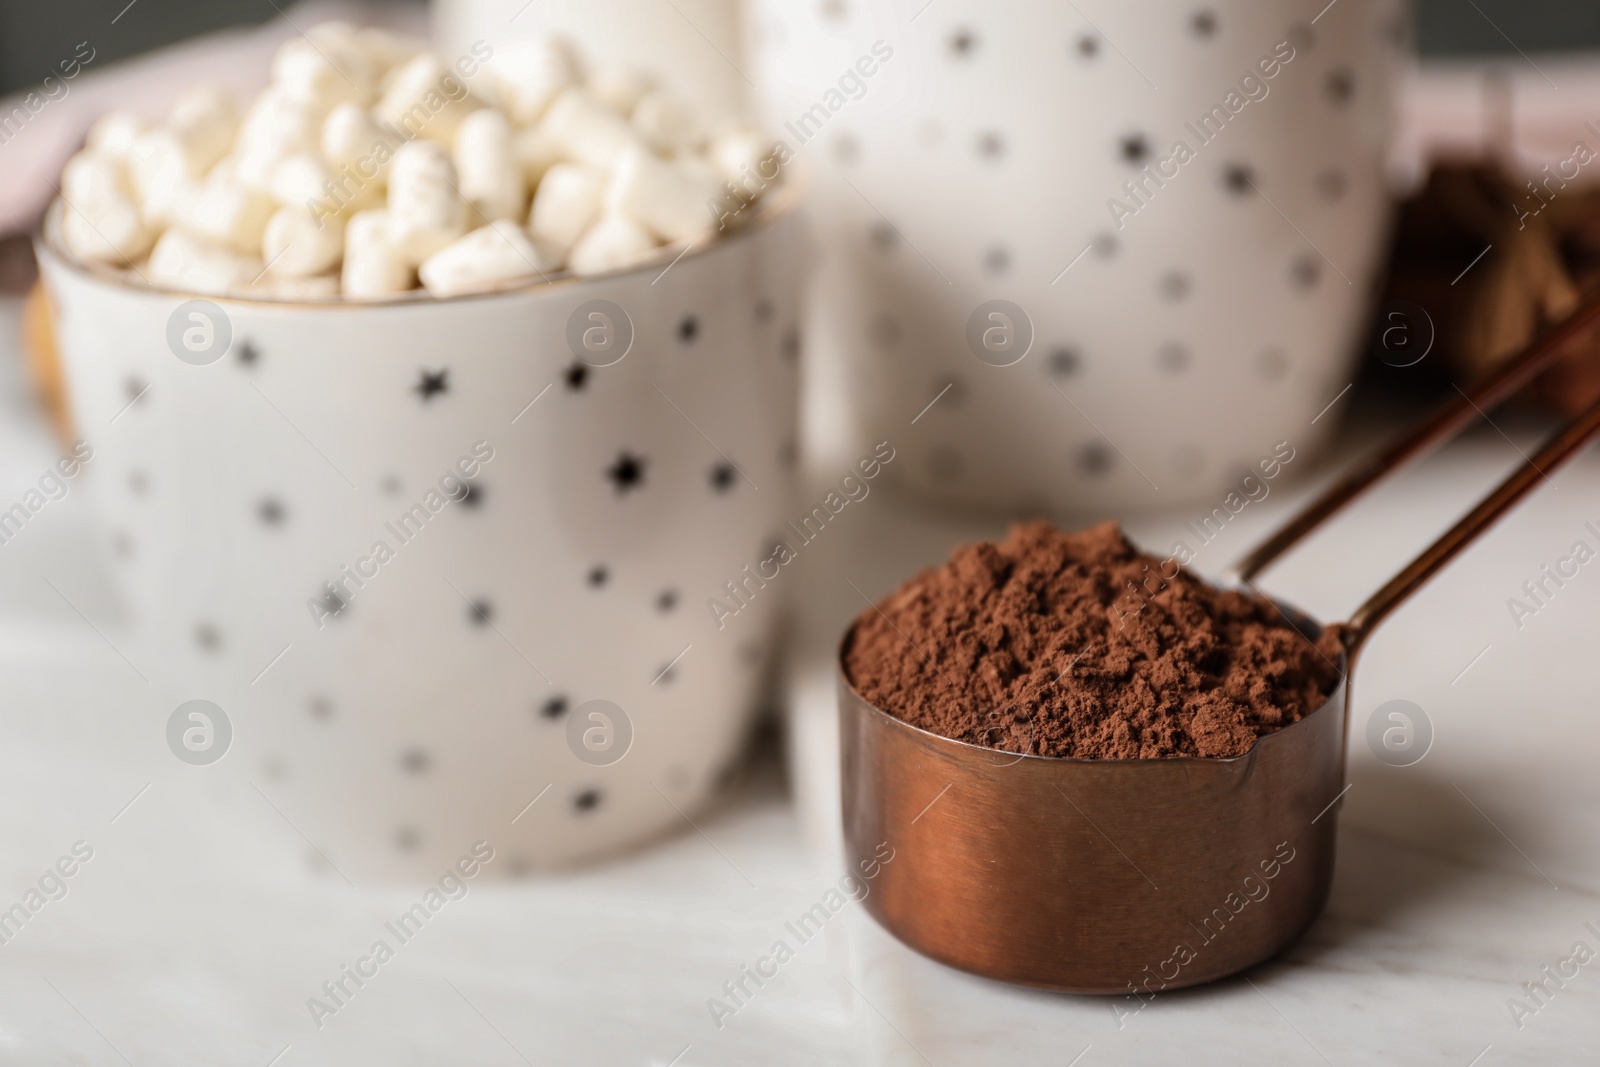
column 1135, row 876
column 1091, row 876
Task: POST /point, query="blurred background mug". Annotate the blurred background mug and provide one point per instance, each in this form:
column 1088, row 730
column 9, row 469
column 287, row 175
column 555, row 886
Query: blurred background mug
column 1084, row 267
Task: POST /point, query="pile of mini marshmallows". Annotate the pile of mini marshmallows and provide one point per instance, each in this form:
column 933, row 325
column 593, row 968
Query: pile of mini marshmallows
column 370, row 165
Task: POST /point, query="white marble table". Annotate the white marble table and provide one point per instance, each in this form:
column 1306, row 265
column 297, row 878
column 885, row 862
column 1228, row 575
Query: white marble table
column 199, row 928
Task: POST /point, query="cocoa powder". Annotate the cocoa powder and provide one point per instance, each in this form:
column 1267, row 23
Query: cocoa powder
column 1077, row 644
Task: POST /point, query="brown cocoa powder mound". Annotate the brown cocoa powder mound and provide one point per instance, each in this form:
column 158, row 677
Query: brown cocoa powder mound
column 1039, row 644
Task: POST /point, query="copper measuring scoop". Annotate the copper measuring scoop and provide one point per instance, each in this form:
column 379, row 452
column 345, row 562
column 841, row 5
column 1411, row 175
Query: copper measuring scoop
column 1132, row 876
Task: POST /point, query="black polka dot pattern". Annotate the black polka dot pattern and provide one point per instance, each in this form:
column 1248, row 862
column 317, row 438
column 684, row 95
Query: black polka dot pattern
column 627, row 473
column 1064, row 362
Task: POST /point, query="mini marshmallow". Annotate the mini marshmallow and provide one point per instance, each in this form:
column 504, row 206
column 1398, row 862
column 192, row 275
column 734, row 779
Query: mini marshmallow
column 536, row 152
column 373, row 265
column 669, row 198
column 567, row 201
column 105, row 229
column 350, row 138
column 300, row 177
column 613, row 243
column 529, row 73
column 665, row 122
column 183, row 261
column 425, row 210
column 277, row 126
column 298, row 243
column 586, row 130
column 91, row 175
column 228, row 213
column 489, row 257
column 491, row 176
column 328, row 71
column 163, row 174
column 114, row 132
column 620, row 87
column 425, row 98
column 744, row 157
column 206, row 120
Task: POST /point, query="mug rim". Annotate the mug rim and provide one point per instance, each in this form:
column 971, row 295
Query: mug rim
column 782, row 204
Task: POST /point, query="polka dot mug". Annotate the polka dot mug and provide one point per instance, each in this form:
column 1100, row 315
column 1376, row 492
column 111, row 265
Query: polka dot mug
column 444, row 564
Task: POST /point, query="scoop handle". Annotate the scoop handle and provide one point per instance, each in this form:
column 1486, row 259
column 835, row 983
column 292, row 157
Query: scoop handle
column 1441, row 426
column 1566, row 444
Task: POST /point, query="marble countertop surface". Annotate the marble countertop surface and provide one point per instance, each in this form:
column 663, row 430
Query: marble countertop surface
column 198, row 929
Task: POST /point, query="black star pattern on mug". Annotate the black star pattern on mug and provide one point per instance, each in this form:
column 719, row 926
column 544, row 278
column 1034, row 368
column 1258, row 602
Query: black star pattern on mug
column 666, row 600
column 1064, row 362
column 688, row 329
column 627, row 472
column 1306, row 271
column 991, row 145
column 576, row 376
column 432, row 382
column 407, row 839
column 414, row 761
column 598, row 576
column 1095, row 459
column 722, row 476
column 321, row 708
column 963, row 42
column 789, row 347
column 1135, row 149
column 248, row 353
column 1239, row 179
column 480, row 612
column 554, row 707
column 1204, row 23
column 1341, row 86
column 1088, row 46
column 587, row 800
column 472, row 496
column 996, row 260
column 270, row 512
column 332, row 602
column 207, row 637
column 134, row 387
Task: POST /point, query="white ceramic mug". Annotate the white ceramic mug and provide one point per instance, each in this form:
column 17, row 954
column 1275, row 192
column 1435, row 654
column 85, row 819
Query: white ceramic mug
column 402, row 545
column 968, row 152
